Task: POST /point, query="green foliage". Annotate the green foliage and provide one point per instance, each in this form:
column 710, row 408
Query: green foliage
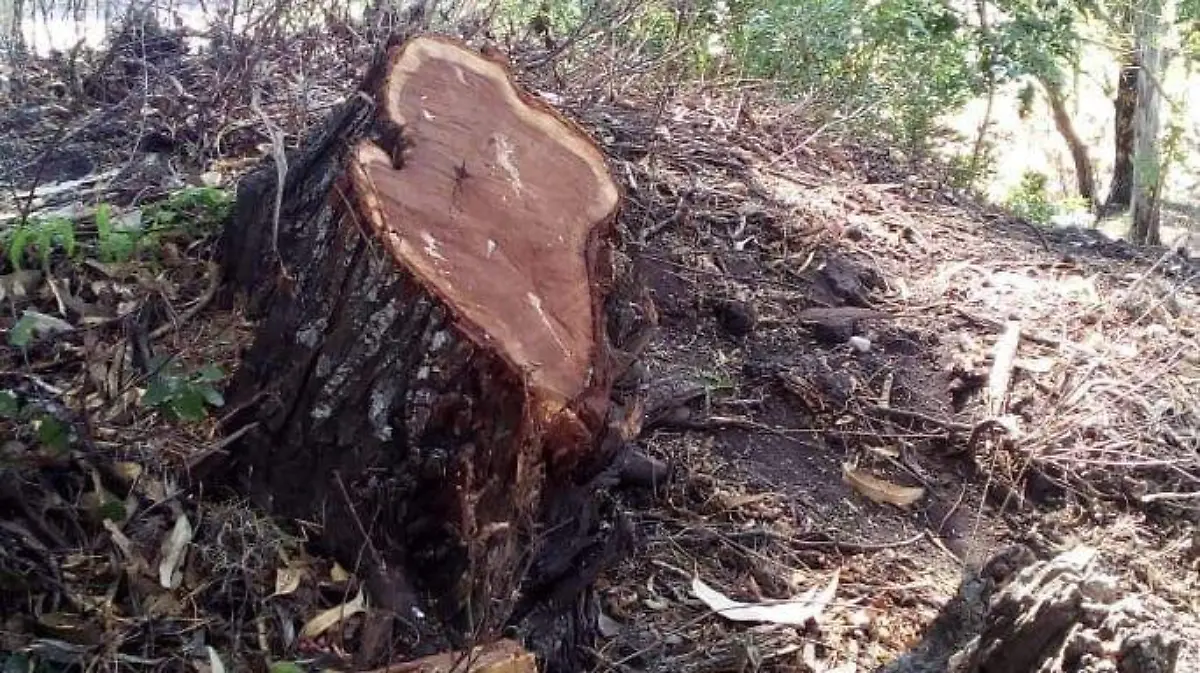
column 285, row 667
column 196, row 211
column 182, row 395
column 52, row 433
column 1025, row 100
column 1029, row 200
column 191, row 213
column 1037, row 38
column 114, row 244
column 897, row 65
column 10, row 404
column 965, row 171
column 38, row 239
column 907, row 61
column 49, row 432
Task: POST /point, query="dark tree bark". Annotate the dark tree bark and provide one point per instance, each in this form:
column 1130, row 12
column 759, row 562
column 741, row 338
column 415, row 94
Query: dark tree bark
column 1120, row 189
column 432, row 377
column 1084, row 177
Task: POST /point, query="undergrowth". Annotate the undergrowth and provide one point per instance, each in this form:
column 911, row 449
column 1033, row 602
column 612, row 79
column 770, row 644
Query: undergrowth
column 110, row 235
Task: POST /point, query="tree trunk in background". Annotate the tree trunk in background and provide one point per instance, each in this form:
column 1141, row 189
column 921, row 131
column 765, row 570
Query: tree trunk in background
column 1120, row 189
column 431, row 379
column 1084, row 177
column 989, row 75
column 1152, row 20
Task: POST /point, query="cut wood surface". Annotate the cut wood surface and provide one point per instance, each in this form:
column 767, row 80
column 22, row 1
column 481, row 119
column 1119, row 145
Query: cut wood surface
column 495, row 207
column 432, row 374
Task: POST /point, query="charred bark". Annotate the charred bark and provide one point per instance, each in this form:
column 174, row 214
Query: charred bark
column 432, row 375
column 1120, row 189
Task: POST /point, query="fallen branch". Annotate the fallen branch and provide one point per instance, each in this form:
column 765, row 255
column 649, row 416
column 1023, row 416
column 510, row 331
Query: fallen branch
column 1002, row 366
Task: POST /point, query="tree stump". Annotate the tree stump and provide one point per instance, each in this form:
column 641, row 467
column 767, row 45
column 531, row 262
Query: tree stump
column 431, row 377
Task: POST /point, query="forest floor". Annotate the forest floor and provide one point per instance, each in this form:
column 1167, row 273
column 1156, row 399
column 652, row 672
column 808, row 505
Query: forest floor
column 823, row 385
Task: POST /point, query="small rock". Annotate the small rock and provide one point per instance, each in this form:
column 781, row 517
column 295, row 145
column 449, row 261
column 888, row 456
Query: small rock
column 640, row 470
column 832, row 332
column 860, row 344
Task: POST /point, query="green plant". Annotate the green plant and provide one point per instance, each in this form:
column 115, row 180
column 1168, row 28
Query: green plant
column 194, row 211
column 190, row 212
column 907, row 62
column 115, row 244
column 182, row 395
column 50, row 432
column 38, row 236
column 964, row 171
column 1029, row 199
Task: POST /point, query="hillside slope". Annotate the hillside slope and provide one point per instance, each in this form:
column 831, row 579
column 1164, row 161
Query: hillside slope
column 829, row 328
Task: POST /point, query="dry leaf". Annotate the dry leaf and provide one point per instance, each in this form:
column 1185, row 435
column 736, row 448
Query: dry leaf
column 324, row 621
column 1035, row 365
column 20, row 284
column 793, row 612
column 338, row 574
column 215, row 665
column 172, row 555
column 287, row 580
column 607, row 626
column 136, row 563
column 879, row 490
column 127, row 472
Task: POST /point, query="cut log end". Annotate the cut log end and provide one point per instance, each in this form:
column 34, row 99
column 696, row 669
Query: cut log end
column 496, row 204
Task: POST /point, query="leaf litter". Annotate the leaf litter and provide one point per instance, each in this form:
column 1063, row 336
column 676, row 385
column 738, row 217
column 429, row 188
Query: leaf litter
column 871, row 306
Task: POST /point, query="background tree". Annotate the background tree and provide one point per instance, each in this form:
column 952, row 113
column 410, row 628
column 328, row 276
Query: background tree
column 1152, row 23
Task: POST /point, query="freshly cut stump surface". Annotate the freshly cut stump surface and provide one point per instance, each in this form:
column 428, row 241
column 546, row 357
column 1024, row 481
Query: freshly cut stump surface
column 495, row 208
column 431, row 378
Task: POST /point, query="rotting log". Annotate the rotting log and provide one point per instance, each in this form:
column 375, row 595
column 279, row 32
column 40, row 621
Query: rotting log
column 432, row 377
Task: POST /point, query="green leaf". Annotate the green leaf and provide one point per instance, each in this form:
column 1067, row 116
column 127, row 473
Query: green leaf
column 104, row 219
column 18, row 244
column 10, row 404
column 53, row 433
column 209, row 373
column 285, row 667
column 212, row 396
column 189, row 405
column 160, row 390
column 113, row 510
column 21, row 333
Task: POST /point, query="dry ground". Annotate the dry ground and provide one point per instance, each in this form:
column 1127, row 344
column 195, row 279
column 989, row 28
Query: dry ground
column 826, row 318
